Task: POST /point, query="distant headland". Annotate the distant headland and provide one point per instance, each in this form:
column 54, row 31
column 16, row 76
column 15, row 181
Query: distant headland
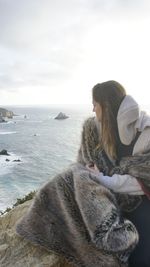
column 4, row 113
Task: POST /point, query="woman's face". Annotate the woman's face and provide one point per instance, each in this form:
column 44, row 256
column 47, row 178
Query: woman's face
column 98, row 110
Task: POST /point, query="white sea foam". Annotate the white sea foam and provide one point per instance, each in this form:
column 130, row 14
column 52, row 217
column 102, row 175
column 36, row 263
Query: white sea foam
column 34, row 121
column 11, row 122
column 6, row 166
column 3, row 133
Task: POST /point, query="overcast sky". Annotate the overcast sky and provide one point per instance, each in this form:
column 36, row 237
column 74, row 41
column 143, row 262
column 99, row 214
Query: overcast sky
column 55, row 51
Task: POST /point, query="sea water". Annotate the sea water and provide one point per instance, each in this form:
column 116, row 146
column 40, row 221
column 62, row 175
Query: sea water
column 44, row 146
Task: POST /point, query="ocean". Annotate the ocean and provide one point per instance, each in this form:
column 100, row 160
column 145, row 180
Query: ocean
column 44, row 146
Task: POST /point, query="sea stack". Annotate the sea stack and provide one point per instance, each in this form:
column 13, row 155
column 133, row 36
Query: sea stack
column 61, row 116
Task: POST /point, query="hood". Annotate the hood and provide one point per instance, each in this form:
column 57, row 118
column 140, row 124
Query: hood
column 130, row 119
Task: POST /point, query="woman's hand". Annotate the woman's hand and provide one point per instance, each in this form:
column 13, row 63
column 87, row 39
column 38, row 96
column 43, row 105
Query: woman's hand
column 93, row 168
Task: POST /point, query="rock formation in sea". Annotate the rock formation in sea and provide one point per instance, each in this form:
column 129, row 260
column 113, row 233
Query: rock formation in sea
column 16, row 251
column 61, row 116
column 2, row 119
column 4, row 152
column 6, row 113
column 16, row 160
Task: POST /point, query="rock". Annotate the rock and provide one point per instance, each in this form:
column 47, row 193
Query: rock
column 16, row 160
column 61, row 116
column 16, row 251
column 4, row 152
column 1, row 119
column 6, row 113
column 7, row 159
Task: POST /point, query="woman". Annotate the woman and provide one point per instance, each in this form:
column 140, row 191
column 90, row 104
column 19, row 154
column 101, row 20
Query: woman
column 125, row 130
column 77, row 218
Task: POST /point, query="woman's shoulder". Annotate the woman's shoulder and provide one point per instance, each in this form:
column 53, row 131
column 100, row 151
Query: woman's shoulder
column 143, row 142
column 91, row 123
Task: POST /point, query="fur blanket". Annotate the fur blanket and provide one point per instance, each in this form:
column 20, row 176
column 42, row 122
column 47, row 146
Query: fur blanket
column 137, row 166
column 78, row 218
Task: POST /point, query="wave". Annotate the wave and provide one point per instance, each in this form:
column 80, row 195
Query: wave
column 11, row 122
column 28, row 121
column 34, row 121
column 8, row 162
column 3, row 133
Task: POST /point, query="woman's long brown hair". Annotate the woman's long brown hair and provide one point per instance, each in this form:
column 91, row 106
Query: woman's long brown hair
column 109, row 95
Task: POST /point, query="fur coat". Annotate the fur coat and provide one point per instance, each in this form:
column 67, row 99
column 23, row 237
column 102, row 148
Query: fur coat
column 137, row 165
column 78, row 218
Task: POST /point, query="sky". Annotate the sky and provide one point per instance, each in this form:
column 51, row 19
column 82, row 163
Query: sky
column 55, row 51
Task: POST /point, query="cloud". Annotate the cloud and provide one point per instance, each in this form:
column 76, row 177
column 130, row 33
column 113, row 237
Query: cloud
column 40, row 41
column 41, row 26
column 50, row 44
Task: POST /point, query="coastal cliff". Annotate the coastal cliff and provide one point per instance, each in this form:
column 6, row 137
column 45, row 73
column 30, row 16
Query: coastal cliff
column 6, row 113
column 15, row 251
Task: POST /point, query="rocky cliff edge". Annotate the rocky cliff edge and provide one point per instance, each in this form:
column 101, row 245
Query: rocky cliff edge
column 17, row 252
